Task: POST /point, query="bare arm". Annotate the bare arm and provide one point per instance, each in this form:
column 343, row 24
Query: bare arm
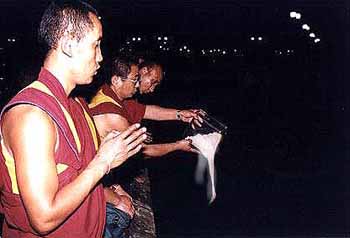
column 157, row 150
column 32, row 143
column 108, row 122
column 158, row 113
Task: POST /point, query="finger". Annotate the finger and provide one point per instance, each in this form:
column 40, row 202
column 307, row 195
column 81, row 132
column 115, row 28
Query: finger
column 136, row 135
column 194, row 150
column 130, row 130
column 198, row 123
column 134, row 151
column 136, row 142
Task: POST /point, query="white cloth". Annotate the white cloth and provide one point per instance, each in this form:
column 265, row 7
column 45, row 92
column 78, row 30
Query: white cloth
column 206, row 145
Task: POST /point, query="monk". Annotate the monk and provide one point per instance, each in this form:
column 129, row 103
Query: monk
column 50, row 161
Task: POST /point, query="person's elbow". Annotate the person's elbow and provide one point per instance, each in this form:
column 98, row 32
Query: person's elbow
column 42, row 224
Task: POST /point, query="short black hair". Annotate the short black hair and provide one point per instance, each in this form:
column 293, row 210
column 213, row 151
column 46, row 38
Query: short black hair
column 62, row 17
column 149, row 64
column 121, row 67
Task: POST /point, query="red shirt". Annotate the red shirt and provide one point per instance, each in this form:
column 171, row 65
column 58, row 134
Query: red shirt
column 106, row 101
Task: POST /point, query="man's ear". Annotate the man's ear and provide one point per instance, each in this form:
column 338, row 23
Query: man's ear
column 66, row 46
column 115, row 79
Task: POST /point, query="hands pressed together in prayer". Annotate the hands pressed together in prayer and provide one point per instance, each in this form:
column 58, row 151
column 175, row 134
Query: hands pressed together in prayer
column 117, row 147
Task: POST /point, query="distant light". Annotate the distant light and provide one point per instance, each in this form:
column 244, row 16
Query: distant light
column 99, row 17
column 288, row 51
column 139, row 38
column 164, row 42
column 1, row 78
column 252, row 38
column 128, row 42
column 214, row 50
column 159, row 38
column 235, row 50
column 317, row 40
column 259, row 38
column 224, row 52
column 180, row 49
column 292, row 14
column 211, row 51
column 9, row 40
column 185, row 47
column 1, row 48
column 298, row 16
column 165, row 38
column 160, row 46
column 219, row 50
column 13, row 40
column 133, row 39
column 312, row 35
column 306, row 27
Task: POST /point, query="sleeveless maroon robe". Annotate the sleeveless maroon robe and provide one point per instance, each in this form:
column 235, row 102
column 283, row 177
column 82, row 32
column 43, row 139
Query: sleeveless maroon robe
column 89, row 218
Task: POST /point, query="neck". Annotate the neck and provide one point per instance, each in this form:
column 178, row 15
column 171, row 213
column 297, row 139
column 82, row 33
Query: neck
column 116, row 92
column 54, row 64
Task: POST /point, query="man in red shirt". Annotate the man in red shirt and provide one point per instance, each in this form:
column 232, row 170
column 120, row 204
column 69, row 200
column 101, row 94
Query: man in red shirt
column 113, row 109
column 50, row 162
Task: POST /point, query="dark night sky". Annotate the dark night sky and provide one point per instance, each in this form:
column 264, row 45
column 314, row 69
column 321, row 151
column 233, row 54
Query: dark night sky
column 282, row 168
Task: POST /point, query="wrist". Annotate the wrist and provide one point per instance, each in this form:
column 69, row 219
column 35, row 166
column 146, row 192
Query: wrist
column 178, row 115
column 100, row 165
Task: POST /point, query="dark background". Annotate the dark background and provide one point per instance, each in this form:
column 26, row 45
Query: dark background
column 282, row 168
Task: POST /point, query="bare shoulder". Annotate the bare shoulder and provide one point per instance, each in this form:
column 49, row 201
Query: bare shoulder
column 26, row 122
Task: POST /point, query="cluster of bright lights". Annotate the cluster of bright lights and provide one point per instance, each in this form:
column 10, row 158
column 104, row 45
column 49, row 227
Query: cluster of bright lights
column 284, row 52
column 305, row 27
column 136, row 38
column 163, row 47
column 253, row 38
column 295, row 15
column 164, row 44
column 184, row 49
column 214, row 52
column 160, row 38
column 11, row 40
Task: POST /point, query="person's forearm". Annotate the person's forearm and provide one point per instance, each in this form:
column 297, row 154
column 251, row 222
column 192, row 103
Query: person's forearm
column 68, row 199
column 158, row 150
column 154, row 112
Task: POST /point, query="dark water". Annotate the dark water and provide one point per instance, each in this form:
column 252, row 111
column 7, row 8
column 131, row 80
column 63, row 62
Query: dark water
column 281, row 169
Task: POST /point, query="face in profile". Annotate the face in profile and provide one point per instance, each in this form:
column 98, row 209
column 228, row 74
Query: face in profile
column 129, row 84
column 150, row 80
column 86, row 54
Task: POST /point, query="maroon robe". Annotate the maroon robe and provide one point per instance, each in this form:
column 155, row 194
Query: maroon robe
column 77, row 147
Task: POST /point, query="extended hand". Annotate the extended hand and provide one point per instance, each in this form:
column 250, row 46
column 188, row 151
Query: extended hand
column 185, row 145
column 192, row 116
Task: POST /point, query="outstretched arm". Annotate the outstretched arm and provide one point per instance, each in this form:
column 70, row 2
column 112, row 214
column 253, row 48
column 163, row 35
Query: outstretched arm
column 158, row 113
column 157, row 150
